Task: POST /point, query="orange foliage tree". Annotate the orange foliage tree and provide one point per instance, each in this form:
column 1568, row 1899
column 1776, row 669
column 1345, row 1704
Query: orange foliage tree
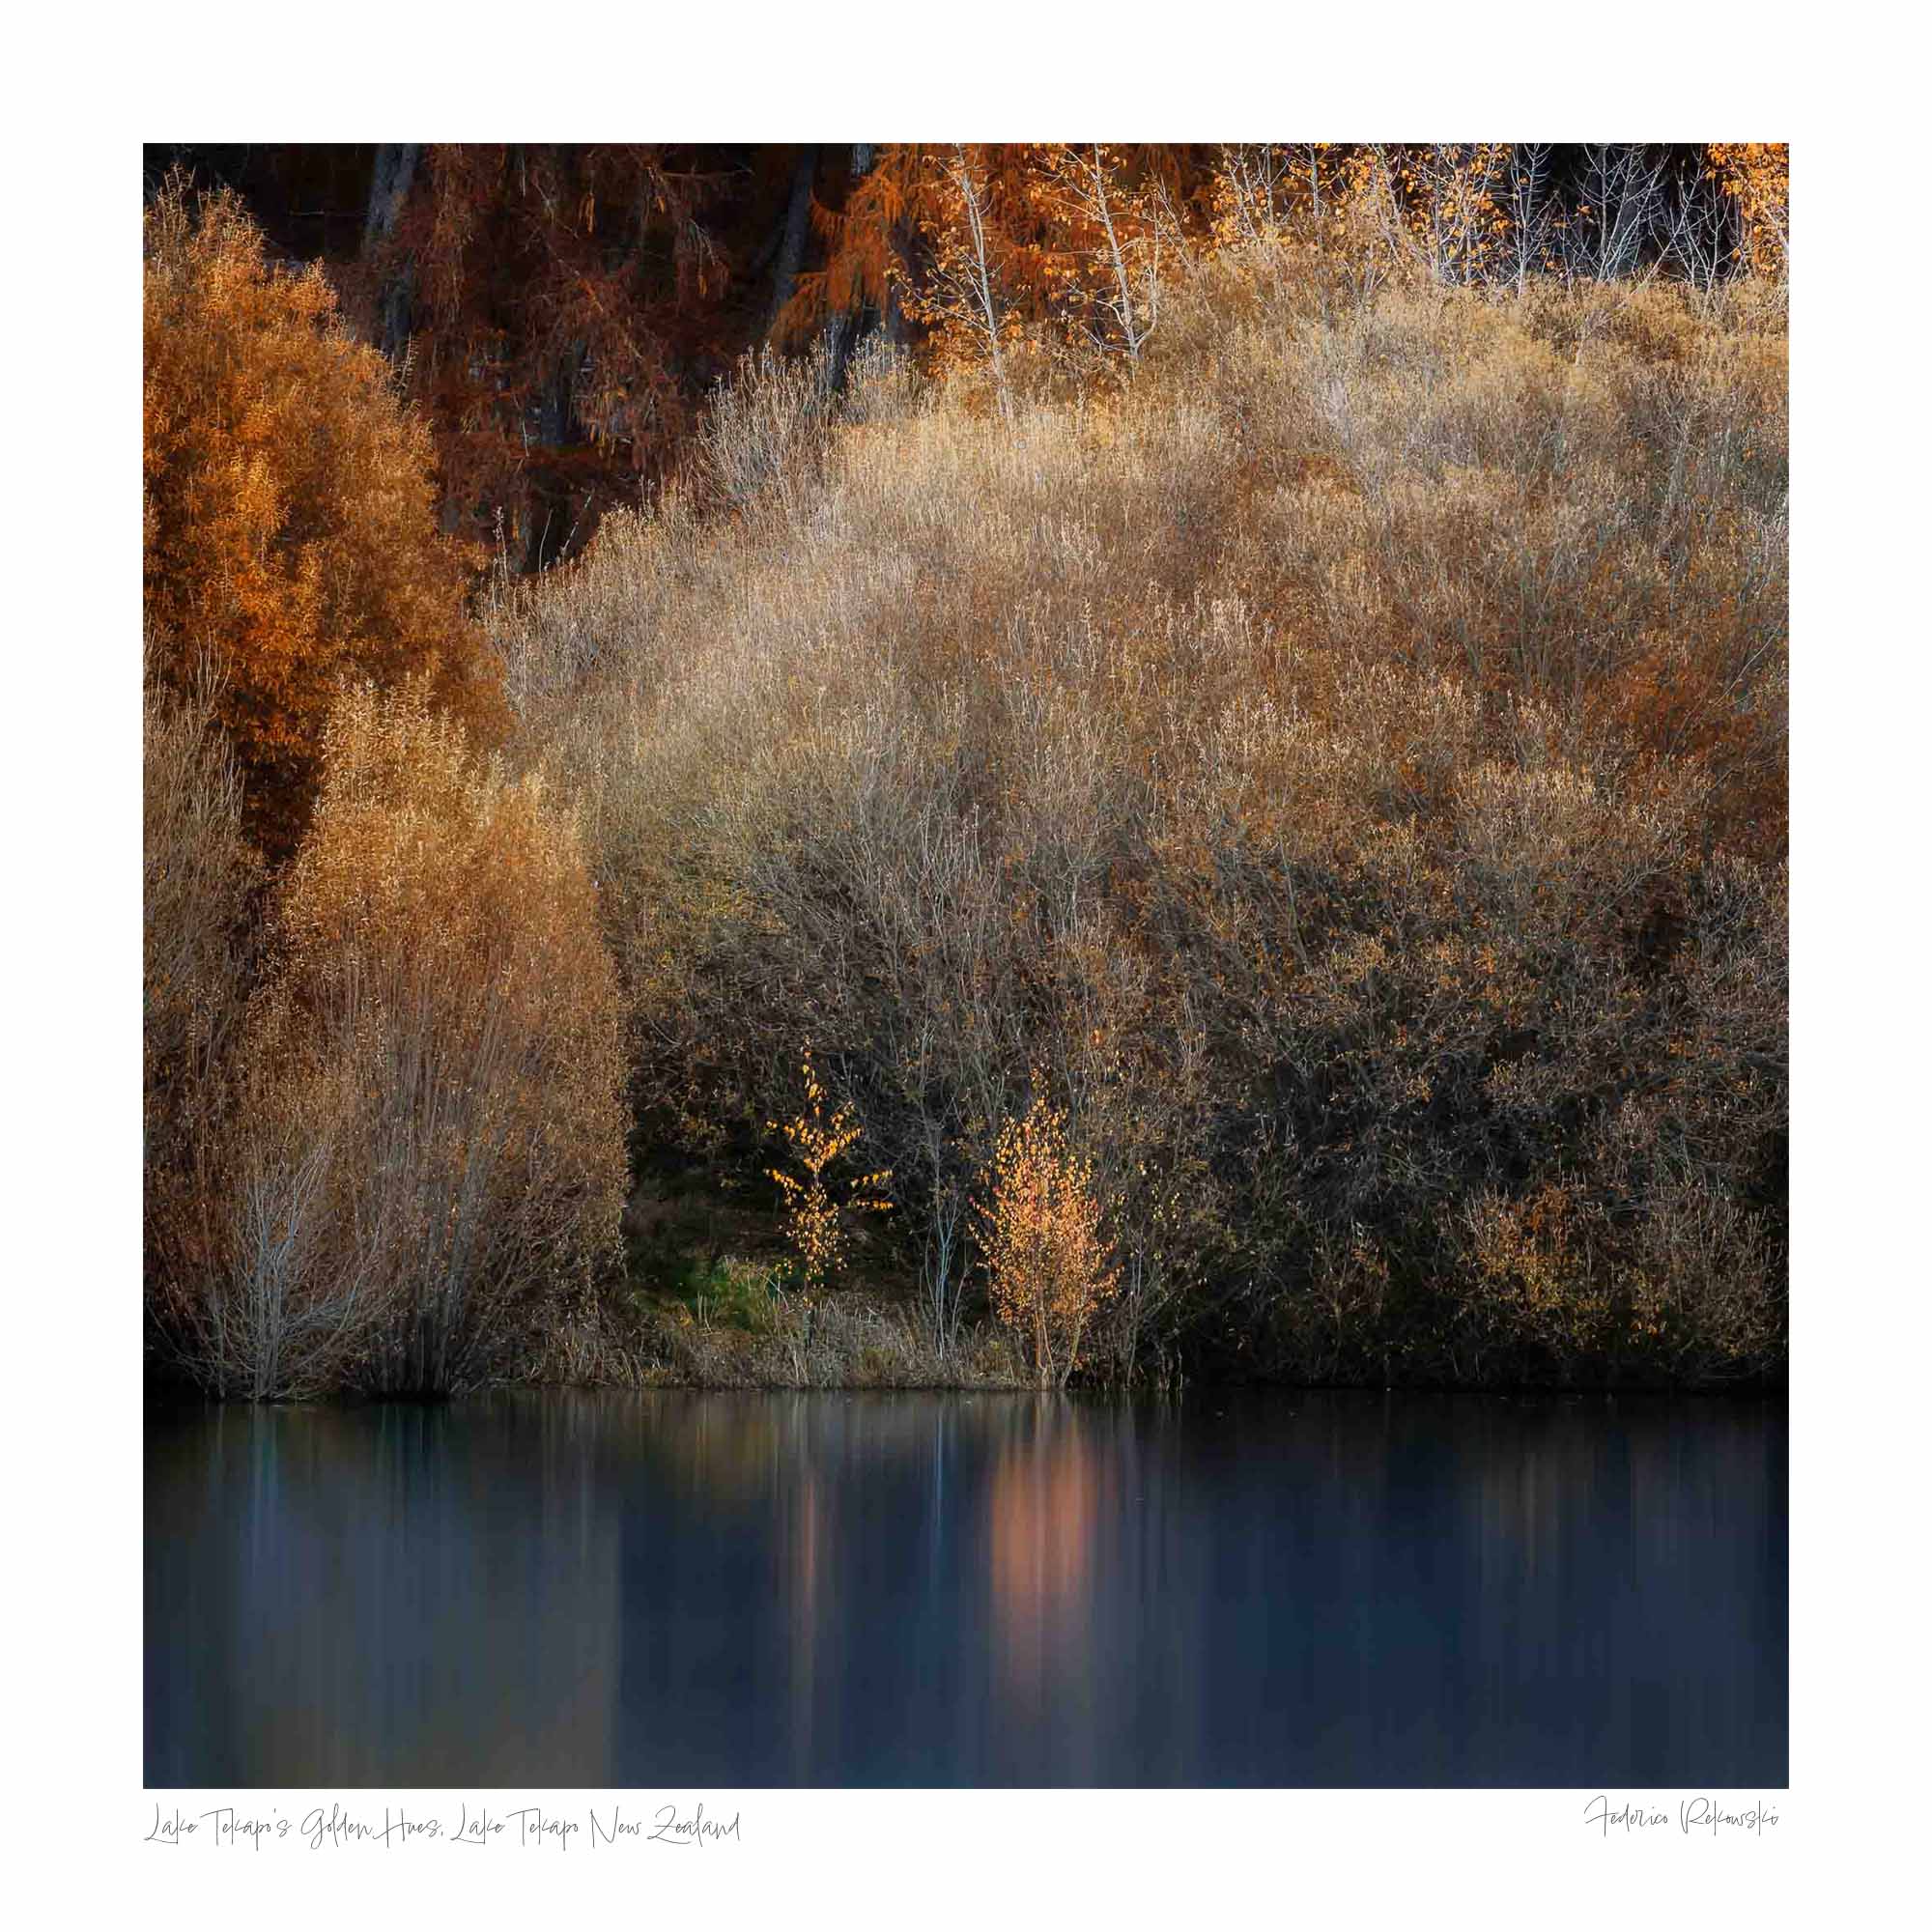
column 289, row 535
column 994, row 248
column 1756, row 178
column 1041, row 1236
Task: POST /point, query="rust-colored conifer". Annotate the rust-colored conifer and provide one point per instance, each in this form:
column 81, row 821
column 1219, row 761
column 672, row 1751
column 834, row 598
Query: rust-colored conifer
column 289, row 534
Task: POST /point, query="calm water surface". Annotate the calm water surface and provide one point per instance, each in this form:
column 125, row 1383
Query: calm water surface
column 692, row 1590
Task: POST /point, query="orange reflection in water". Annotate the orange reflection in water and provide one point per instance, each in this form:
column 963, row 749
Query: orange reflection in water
column 1043, row 1508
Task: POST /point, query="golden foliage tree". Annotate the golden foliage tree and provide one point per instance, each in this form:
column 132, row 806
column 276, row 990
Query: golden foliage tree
column 1040, row 1234
column 814, row 1215
column 288, row 534
column 1756, row 178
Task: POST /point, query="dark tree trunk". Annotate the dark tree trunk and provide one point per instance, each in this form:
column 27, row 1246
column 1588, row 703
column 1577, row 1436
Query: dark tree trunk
column 847, row 331
column 797, row 225
column 389, row 186
column 395, row 170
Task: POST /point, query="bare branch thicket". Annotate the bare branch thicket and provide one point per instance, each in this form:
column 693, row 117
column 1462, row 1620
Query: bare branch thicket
column 1620, row 213
column 1704, row 237
column 1530, row 240
column 763, row 433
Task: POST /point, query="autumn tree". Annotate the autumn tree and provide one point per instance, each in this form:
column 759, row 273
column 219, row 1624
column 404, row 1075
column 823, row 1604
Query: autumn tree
column 1755, row 177
column 1047, row 1263
column 1117, row 220
column 289, row 535
column 864, row 241
column 816, row 1209
column 995, row 250
column 946, row 235
column 1260, row 192
column 964, row 289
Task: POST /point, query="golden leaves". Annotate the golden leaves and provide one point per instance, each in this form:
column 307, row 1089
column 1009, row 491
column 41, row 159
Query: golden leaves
column 289, row 526
column 1039, row 1234
column 814, row 1215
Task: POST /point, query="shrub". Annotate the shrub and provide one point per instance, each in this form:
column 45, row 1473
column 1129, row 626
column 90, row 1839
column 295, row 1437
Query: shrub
column 288, row 512
column 430, row 1160
column 764, row 430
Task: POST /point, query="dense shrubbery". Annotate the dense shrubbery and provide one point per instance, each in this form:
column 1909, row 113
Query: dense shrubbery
column 1321, row 761
column 1349, row 759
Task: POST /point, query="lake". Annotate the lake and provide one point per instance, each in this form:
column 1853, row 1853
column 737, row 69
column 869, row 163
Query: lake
column 693, row 1591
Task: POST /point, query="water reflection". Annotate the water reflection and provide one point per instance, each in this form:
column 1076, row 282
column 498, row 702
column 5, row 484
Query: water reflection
column 1043, row 1515
column 770, row 1589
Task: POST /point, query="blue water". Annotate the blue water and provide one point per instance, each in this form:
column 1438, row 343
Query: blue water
column 748, row 1590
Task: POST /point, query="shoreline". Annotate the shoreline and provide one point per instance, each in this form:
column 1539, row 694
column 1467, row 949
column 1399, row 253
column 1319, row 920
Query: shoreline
column 660, row 1354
